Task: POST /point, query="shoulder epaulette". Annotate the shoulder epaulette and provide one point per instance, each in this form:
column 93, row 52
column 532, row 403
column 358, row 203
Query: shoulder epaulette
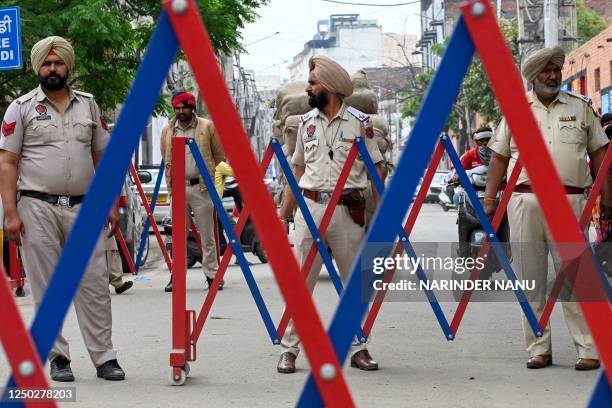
column 585, row 99
column 27, row 96
column 309, row 115
column 365, row 119
column 85, row 94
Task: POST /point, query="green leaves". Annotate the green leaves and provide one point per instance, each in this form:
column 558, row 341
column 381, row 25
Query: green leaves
column 109, row 38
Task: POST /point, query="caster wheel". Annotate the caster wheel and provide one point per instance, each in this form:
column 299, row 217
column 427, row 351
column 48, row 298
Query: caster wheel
column 187, row 368
column 19, row 292
column 177, row 379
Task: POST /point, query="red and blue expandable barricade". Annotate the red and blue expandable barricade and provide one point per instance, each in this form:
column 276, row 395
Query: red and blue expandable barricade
column 180, row 25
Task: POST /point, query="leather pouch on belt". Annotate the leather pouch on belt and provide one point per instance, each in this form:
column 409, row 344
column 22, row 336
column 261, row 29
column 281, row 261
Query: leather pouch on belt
column 356, row 204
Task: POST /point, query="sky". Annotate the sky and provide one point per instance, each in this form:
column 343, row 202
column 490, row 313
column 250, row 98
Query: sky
column 296, row 20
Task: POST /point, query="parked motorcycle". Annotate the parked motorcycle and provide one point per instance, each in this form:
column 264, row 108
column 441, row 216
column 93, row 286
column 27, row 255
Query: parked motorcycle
column 472, row 234
column 445, row 198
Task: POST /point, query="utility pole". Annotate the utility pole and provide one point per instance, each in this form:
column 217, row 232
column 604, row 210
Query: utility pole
column 551, row 23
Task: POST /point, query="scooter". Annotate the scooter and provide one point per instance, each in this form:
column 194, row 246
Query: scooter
column 249, row 241
column 445, row 198
column 472, row 234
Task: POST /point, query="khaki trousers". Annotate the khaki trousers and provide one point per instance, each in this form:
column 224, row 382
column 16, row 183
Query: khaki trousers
column 46, row 230
column 203, row 209
column 343, row 237
column 530, row 234
column 113, row 262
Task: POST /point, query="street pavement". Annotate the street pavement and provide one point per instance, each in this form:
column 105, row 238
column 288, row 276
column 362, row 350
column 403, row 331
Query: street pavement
column 236, row 362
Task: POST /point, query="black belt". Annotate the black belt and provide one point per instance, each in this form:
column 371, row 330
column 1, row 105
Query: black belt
column 526, row 188
column 64, row 201
column 194, row 181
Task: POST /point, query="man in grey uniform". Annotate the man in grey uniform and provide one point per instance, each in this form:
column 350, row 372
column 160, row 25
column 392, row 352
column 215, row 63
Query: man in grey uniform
column 324, row 139
column 572, row 133
column 55, row 136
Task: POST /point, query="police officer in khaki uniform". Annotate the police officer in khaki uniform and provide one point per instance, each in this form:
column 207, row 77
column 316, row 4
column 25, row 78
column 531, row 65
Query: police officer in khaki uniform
column 325, row 136
column 55, row 136
column 572, row 133
column 186, row 123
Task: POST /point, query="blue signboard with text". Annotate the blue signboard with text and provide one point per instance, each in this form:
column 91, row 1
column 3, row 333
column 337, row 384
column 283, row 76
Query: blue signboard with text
column 10, row 39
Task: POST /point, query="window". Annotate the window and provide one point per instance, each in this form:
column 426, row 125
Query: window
column 596, row 79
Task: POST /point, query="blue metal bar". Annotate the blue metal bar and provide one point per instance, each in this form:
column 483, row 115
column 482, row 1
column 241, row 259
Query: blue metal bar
column 486, row 225
column 234, row 241
column 602, row 394
column 436, row 106
column 147, row 225
column 105, row 186
column 314, row 231
column 431, row 297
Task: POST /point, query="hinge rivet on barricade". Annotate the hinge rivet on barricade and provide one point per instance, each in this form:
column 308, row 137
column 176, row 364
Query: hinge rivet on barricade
column 450, row 337
column 276, row 341
column 491, row 235
column 233, row 241
column 318, row 240
column 179, row 6
column 478, row 9
column 363, row 339
column 274, row 140
column 539, row 334
column 26, row 368
column 328, row 372
column 444, row 137
column 358, row 139
column 403, row 239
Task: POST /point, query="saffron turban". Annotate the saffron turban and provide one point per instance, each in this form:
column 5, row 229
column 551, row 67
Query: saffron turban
column 331, row 75
column 536, row 62
column 53, row 45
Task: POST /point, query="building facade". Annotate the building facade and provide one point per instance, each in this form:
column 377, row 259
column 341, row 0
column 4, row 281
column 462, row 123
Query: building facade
column 353, row 43
column 588, row 70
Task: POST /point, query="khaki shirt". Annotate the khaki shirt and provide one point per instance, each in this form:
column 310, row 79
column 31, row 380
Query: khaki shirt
column 317, row 135
column 55, row 149
column 571, row 132
column 191, row 168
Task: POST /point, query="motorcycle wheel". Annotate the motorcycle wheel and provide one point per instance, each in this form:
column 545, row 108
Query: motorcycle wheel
column 260, row 252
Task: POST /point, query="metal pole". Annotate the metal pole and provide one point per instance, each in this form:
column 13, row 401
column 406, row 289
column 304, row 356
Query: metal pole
column 551, row 23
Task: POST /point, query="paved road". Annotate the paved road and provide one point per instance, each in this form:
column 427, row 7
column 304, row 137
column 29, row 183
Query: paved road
column 236, row 365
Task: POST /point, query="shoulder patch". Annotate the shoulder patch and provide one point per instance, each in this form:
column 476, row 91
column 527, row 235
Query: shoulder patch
column 365, row 119
column 585, row 99
column 81, row 93
column 26, row 97
column 309, row 115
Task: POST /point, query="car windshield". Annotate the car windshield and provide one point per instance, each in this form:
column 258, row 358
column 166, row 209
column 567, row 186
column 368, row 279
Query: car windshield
column 439, row 178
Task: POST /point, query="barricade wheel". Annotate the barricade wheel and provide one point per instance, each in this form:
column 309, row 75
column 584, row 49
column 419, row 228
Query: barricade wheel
column 177, row 376
column 187, row 369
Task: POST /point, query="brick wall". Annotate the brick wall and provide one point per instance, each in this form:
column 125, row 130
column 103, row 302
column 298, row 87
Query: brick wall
column 595, row 55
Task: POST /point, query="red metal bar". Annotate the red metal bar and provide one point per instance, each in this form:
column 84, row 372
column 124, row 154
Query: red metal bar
column 505, row 81
column 323, row 225
column 399, row 248
column 126, row 252
column 602, row 174
column 179, row 254
column 145, row 202
column 227, row 257
column 486, row 246
column 18, row 345
column 196, row 234
column 192, row 35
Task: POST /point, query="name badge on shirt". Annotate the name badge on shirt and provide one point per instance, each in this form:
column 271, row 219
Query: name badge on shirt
column 42, row 112
column 567, row 119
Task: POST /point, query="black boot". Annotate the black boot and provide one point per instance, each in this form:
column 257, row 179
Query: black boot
column 210, row 281
column 168, row 287
column 60, row 369
column 110, row 371
column 126, row 285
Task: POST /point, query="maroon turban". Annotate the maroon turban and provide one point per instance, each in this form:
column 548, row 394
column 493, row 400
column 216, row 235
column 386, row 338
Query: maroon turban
column 186, row 98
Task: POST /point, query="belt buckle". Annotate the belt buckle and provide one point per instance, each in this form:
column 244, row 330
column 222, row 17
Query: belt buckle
column 324, row 197
column 63, row 201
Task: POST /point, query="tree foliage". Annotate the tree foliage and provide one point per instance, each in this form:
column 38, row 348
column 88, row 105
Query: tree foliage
column 589, row 22
column 109, row 37
column 475, row 95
